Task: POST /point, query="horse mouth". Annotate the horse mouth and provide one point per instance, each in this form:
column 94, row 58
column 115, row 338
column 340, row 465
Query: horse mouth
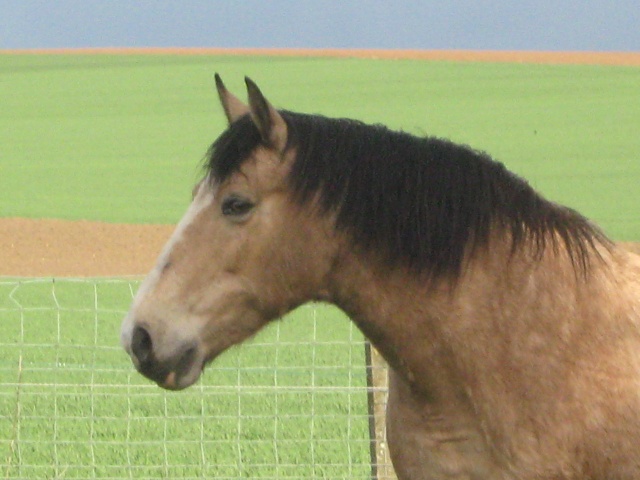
column 175, row 374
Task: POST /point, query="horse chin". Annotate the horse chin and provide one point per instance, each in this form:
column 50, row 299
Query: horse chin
column 183, row 371
column 175, row 374
column 179, row 380
column 182, row 379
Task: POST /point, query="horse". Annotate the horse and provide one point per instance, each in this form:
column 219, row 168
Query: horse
column 510, row 323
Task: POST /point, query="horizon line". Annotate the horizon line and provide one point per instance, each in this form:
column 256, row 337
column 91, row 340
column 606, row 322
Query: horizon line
column 499, row 56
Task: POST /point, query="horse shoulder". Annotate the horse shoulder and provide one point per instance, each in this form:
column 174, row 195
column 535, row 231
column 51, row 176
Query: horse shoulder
column 430, row 440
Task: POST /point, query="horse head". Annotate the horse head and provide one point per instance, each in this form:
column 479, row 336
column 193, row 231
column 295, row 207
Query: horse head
column 239, row 257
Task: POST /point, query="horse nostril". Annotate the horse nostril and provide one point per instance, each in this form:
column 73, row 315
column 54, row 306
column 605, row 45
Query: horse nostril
column 141, row 344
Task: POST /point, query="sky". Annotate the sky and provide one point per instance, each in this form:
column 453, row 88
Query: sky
column 553, row 25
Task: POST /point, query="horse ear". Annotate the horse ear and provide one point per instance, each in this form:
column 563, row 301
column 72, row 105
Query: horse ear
column 233, row 107
column 271, row 125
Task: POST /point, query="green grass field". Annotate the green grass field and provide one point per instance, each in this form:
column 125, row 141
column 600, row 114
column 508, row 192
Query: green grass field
column 291, row 403
column 120, row 139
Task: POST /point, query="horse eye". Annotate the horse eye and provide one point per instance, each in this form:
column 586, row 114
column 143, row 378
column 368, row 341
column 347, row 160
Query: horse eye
column 235, row 206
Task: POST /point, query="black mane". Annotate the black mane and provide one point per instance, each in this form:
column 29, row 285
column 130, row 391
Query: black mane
column 424, row 202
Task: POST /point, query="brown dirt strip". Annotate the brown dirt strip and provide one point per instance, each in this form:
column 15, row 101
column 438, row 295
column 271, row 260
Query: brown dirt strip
column 60, row 248
column 592, row 58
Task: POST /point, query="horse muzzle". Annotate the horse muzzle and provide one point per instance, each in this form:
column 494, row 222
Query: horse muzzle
column 176, row 371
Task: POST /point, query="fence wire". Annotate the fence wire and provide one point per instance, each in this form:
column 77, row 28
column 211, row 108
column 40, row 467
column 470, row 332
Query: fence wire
column 291, row 403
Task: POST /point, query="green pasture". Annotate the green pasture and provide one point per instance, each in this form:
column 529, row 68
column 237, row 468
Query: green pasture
column 291, row 403
column 121, row 139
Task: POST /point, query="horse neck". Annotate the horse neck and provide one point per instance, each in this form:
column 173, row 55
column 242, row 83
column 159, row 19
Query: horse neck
column 438, row 335
column 401, row 314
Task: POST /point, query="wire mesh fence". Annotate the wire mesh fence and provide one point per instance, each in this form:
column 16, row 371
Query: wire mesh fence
column 291, row 403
